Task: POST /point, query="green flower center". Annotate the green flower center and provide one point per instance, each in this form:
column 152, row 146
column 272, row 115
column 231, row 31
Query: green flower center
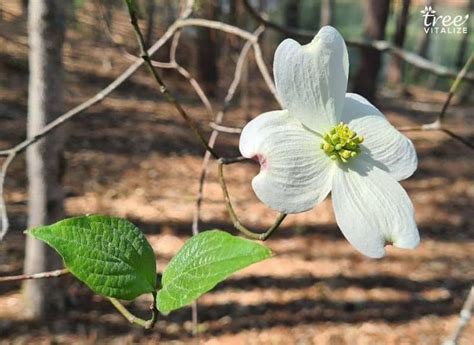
column 341, row 143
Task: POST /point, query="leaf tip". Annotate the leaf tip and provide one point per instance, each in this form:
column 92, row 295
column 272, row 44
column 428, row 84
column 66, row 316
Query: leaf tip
column 31, row 232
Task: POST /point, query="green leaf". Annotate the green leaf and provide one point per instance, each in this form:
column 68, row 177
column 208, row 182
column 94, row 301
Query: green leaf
column 110, row 255
column 204, row 261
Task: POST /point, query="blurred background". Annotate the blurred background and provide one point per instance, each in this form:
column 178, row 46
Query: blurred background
column 132, row 156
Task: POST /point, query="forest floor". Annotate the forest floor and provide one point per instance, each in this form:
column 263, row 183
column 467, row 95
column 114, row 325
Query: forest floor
column 131, row 156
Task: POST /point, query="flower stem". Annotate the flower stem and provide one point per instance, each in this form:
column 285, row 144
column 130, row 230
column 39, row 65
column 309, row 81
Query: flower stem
column 233, row 216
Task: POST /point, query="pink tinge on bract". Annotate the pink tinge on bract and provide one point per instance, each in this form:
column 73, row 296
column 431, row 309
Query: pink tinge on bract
column 262, row 160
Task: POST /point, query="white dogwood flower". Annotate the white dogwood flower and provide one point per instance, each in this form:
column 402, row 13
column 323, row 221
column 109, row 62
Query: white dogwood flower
column 327, row 140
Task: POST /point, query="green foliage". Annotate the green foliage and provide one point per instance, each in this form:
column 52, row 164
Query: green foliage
column 113, row 258
column 110, row 255
column 204, row 261
column 132, row 6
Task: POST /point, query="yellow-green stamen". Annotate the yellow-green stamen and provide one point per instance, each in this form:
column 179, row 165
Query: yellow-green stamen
column 341, row 143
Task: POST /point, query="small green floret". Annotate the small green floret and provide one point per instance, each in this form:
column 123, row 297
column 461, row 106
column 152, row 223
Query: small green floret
column 341, row 143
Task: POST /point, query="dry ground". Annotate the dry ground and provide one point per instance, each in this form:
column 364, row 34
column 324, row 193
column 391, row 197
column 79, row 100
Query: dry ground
column 132, row 157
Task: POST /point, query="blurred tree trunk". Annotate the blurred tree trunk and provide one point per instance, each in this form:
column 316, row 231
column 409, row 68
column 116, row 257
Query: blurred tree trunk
column 291, row 13
column 292, row 10
column 327, row 12
column 24, row 7
column 165, row 14
column 425, row 38
column 150, row 23
column 375, row 20
column 465, row 93
column 170, row 12
column 46, row 29
column 463, row 46
column 395, row 68
column 207, row 50
column 424, row 43
column 233, row 10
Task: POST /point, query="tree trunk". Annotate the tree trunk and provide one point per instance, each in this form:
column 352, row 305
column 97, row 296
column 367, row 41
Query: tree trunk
column 424, row 43
column 24, row 7
column 327, row 12
column 425, row 38
column 395, row 68
column 463, row 46
column 45, row 204
column 292, row 10
column 375, row 20
column 150, row 24
column 465, row 94
column 207, row 50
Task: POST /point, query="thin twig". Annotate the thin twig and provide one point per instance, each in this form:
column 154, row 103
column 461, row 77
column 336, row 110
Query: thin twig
column 3, row 206
column 218, row 119
column 464, row 317
column 187, row 75
column 57, row 273
column 212, row 24
column 42, row 275
column 455, row 86
column 458, row 138
column 212, row 140
column 225, row 129
column 233, row 216
column 265, row 74
column 438, row 124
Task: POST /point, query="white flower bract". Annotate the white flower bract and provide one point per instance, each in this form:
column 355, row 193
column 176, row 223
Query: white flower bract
column 327, row 140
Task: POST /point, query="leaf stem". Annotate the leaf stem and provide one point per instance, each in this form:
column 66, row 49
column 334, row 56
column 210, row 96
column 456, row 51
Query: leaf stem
column 233, row 216
column 147, row 324
column 154, row 312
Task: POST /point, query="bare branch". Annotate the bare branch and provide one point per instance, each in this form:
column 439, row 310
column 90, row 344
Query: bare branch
column 438, row 124
column 185, row 73
column 464, row 317
column 225, row 129
column 42, row 275
column 455, row 86
column 3, row 206
column 458, row 138
column 218, row 119
column 211, row 24
column 265, row 74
